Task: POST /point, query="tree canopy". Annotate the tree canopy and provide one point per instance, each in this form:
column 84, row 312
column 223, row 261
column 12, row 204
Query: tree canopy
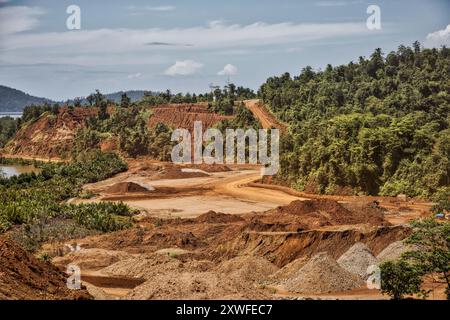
column 376, row 126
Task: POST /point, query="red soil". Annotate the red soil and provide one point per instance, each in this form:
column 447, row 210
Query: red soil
column 24, row 277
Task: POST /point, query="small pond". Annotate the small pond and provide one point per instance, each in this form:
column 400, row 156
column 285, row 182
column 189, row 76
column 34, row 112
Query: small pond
column 15, row 170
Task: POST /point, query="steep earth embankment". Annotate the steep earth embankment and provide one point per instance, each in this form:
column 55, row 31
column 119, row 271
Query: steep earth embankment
column 23, row 277
column 50, row 136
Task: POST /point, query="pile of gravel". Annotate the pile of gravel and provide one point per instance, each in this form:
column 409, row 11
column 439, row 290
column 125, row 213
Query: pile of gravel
column 322, row 274
column 175, row 285
column 289, row 270
column 249, row 268
column 357, row 259
column 394, row 251
column 143, row 266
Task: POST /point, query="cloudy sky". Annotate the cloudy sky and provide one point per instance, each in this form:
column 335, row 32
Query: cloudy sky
column 185, row 45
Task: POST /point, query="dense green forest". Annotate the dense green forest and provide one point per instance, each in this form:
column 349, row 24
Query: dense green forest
column 8, row 127
column 376, row 126
column 36, row 216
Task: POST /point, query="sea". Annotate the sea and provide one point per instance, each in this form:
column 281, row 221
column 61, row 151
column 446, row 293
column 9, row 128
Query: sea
column 14, row 115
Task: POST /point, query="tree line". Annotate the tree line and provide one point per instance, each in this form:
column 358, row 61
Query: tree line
column 376, row 126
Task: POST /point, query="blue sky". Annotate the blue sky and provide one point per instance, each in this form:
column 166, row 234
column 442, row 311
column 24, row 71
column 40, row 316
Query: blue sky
column 186, row 45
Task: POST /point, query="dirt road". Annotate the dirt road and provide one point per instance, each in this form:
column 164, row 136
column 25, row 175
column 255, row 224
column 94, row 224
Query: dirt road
column 266, row 119
column 238, row 187
column 232, row 192
column 186, row 198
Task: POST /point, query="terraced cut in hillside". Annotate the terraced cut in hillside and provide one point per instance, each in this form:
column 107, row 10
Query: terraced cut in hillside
column 183, row 116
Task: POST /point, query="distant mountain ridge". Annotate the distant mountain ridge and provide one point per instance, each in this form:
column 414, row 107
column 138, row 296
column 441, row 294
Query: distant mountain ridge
column 13, row 100
column 134, row 96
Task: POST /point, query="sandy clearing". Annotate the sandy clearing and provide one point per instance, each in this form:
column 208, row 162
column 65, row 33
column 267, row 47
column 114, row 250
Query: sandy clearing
column 191, row 207
column 228, row 193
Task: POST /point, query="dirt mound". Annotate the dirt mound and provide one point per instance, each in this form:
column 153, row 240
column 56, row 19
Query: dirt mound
column 357, row 259
column 173, row 285
column 289, row 270
column 211, row 168
column 148, row 266
column 217, row 217
column 23, row 277
column 128, row 187
column 308, row 206
column 143, row 266
column 310, row 214
column 394, row 251
column 92, row 259
column 177, row 173
column 174, row 238
column 249, row 268
column 322, row 274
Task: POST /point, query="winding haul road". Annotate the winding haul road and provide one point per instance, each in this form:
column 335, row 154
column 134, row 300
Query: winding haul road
column 264, row 116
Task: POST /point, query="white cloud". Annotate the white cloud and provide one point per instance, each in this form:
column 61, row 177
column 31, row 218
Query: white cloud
column 135, row 10
column 134, row 75
column 132, row 44
column 438, row 38
column 15, row 19
column 211, row 36
column 160, row 8
column 228, row 70
column 337, row 3
column 184, row 68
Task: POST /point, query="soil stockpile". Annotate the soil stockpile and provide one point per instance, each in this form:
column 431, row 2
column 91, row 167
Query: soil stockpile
column 196, row 286
column 127, row 187
column 150, row 265
column 394, row 251
column 177, row 173
column 357, row 259
column 250, row 268
column 322, row 274
column 24, row 277
column 217, row 217
column 289, row 270
column 143, row 266
column 211, row 168
column 331, row 212
column 311, row 214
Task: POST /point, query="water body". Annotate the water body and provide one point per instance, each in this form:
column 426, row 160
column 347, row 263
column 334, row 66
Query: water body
column 15, row 170
column 13, row 115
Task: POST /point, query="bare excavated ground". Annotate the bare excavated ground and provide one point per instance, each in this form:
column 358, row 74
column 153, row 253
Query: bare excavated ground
column 213, row 233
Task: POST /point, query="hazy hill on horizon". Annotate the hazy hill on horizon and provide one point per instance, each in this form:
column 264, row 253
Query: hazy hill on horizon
column 134, row 95
column 14, row 100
